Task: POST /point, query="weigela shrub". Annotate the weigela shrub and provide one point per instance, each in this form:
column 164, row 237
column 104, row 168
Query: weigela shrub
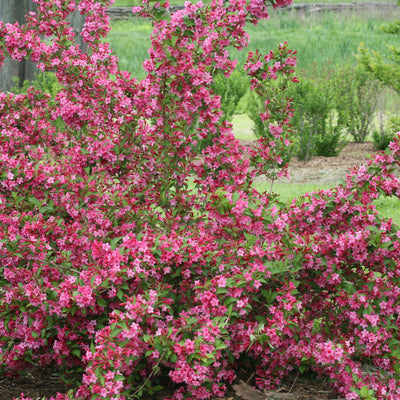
column 127, row 257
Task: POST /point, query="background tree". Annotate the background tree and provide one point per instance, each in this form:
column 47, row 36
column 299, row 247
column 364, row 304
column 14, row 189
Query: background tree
column 386, row 71
column 77, row 20
column 11, row 12
column 15, row 11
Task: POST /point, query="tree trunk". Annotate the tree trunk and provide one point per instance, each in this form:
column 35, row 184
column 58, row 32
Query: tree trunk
column 15, row 10
column 77, row 21
column 10, row 12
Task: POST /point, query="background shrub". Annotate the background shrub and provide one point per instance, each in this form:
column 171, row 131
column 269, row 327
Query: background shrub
column 386, row 133
column 317, row 125
column 356, row 97
column 231, row 90
column 46, row 82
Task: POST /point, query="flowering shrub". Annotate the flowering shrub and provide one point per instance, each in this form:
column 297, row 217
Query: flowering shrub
column 125, row 259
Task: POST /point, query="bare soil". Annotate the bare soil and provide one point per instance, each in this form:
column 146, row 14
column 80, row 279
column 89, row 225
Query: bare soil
column 329, row 170
column 38, row 384
column 320, row 170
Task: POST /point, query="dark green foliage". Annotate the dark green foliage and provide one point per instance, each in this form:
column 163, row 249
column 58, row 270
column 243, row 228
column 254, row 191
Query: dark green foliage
column 255, row 107
column 386, row 133
column 339, row 102
column 386, row 70
column 381, row 139
column 318, row 128
column 317, row 125
column 231, row 90
column 46, row 82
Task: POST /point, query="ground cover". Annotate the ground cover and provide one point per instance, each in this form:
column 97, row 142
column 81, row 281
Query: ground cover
column 40, row 384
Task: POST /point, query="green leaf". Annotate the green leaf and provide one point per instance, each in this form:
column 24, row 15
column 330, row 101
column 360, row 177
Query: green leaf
column 188, row 33
column 221, row 346
column 34, row 201
column 88, row 170
column 124, row 325
column 174, row 39
column 120, row 294
column 52, row 295
column 364, row 392
column 47, row 210
column 188, row 21
column 101, row 302
column 174, row 358
column 230, row 300
column 115, row 332
column 113, row 243
column 76, row 352
column 235, row 197
column 303, row 368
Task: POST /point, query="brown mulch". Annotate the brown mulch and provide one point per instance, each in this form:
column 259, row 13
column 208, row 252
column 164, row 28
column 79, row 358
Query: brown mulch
column 328, row 170
column 297, row 388
column 38, row 384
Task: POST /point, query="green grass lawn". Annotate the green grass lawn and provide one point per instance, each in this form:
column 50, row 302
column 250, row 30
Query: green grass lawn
column 130, row 40
column 243, row 127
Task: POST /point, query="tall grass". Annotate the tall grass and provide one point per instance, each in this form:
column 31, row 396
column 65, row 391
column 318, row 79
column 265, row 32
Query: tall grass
column 130, row 40
column 322, row 41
